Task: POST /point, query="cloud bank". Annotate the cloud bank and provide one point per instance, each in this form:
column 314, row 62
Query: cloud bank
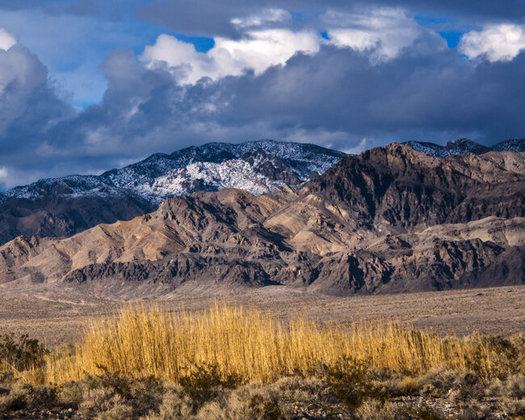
column 348, row 78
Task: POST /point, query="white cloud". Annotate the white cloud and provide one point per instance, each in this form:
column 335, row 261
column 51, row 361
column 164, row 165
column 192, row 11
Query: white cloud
column 20, row 66
column 365, row 144
column 256, row 50
column 265, row 17
column 6, row 40
column 262, row 49
column 500, row 42
column 384, row 32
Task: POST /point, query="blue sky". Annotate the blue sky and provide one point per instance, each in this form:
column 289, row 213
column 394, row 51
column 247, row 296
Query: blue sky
column 89, row 85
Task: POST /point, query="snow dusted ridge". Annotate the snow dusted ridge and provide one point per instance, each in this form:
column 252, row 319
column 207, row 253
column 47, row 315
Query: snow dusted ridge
column 257, row 167
column 72, row 186
column 457, row 147
column 515, row 145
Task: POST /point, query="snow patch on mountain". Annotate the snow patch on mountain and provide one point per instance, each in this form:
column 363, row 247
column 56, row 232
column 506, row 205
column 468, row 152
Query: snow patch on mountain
column 302, row 158
column 72, row 186
column 257, row 167
column 235, row 173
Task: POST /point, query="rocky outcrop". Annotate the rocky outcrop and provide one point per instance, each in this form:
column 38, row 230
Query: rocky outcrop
column 400, row 187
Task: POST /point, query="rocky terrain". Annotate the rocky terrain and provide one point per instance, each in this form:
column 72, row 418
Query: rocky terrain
column 61, row 207
column 389, row 220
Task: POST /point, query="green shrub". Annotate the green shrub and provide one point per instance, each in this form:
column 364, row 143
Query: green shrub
column 349, row 380
column 26, row 353
column 204, row 382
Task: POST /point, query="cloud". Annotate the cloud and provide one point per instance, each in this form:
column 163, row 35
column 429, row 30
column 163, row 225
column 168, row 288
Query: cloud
column 256, row 51
column 335, row 97
column 71, row 47
column 384, row 32
column 264, row 18
column 6, row 40
column 380, row 77
column 212, row 18
column 29, row 107
column 501, row 42
column 4, row 179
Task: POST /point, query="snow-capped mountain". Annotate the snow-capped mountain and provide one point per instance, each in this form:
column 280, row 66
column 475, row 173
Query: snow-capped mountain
column 387, row 221
column 257, row 167
column 460, row 146
column 67, row 205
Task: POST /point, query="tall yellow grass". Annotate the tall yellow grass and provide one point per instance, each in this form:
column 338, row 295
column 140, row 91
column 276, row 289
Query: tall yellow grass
column 247, row 343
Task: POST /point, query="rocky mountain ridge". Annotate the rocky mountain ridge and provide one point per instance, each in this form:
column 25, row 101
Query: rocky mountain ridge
column 460, row 146
column 389, row 220
column 61, row 207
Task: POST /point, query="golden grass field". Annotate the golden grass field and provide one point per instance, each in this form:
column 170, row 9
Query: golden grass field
column 267, row 354
column 250, row 345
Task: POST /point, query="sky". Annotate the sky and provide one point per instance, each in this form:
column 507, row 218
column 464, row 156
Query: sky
column 89, row 85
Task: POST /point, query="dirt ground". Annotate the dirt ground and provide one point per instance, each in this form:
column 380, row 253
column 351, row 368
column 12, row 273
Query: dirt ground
column 58, row 316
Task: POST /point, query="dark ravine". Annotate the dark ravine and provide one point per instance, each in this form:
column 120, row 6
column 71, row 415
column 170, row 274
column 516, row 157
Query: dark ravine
column 389, row 220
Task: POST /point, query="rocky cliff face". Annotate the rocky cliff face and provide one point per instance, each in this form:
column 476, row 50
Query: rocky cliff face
column 389, row 220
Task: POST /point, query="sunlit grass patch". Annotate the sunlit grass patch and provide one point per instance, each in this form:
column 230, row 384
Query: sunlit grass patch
column 245, row 345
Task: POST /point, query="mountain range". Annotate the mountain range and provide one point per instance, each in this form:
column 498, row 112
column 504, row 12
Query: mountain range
column 389, row 220
column 61, row 207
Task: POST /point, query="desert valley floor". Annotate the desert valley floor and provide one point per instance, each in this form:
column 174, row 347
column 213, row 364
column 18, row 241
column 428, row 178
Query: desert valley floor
column 58, row 316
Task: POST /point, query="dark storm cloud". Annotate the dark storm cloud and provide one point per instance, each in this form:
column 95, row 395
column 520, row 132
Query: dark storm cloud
column 471, row 9
column 437, row 94
column 107, row 9
column 338, row 90
column 29, row 104
column 334, row 97
column 209, row 17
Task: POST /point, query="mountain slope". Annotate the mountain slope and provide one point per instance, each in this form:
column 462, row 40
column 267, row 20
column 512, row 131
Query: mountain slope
column 389, row 220
column 60, row 207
